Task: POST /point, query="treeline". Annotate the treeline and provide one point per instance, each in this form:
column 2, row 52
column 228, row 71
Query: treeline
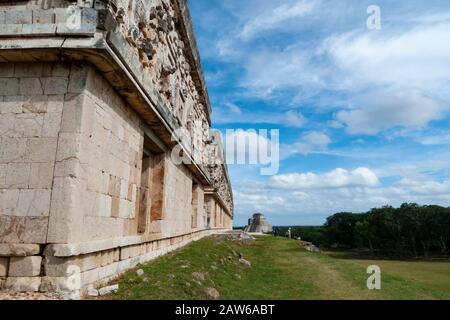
column 310, row 234
column 410, row 230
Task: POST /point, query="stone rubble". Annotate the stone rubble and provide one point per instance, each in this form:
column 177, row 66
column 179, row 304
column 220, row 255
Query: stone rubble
column 140, row 272
column 212, row 293
column 199, row 276
column 245, row 263
column 105, row 291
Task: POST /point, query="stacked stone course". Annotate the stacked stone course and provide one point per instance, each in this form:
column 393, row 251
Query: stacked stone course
column 88, row 114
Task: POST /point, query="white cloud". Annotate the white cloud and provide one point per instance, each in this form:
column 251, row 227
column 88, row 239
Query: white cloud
column 385, row 110
column 404, row 75
column 295, row 119
column 416, row 58
column 311, row 142
column 323, row 202
column 291, row 118
column 233, row 108
column 291, row 67
column 317, row 139
column 272, row 19
column 433, row 140
column 338, row 178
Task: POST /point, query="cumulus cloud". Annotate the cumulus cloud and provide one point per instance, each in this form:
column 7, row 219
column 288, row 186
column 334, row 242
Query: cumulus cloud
column 347, row 80
column 404, row 75
column 295, row 119
column 414, row 58
column 317, row 139
column 270, row 70
column 385, row 110
column 309, row 143
column 338, row 178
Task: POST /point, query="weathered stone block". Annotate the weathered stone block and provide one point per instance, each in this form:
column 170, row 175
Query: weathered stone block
column 3, row 171
column 41, row 176
column 12, row 149
column 62, row 267
column 89, row 16
column 23, row 284
column 10, row 30
column 33, row 202
column 9, row 86
column 11, row 105
column 18, row 175
column 129, row 252
column 55, row 103
column 25, row 266
column 15, row 229
column 72, row 113
column 41, row 149
column 39, row 29
column 61, row 15
column 27, row 125
column 4, row 263
column 30, row 86
column 6, row 69
column 43, row 16
column 60, row 69
column 82, row 30
column 18, row 249
column 34, row 104
column 51, row 125
column 18, row 16
column 25, row 69
column 8, row 201
column 55, row 85
column 78, row 79
column 7, row 124
column 68, row 146
column 68, row 286
column 66, row 222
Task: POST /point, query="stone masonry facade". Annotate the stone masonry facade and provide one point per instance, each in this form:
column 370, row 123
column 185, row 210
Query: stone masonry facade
column 95, row 96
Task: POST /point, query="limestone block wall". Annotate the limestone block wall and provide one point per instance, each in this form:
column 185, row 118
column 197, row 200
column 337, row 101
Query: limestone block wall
column 87, row 185
column 71, row 163
column 99, row 168
column 32, row 98
column 99, row 164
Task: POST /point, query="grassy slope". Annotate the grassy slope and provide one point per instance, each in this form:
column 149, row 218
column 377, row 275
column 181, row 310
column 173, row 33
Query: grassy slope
column 280, row 270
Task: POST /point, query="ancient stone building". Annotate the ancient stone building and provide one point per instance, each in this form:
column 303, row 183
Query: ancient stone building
column 106, row 157
column 258, row 224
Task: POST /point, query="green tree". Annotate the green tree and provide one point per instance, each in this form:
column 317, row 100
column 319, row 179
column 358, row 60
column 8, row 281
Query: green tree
column 340, row 229
column 366, row 234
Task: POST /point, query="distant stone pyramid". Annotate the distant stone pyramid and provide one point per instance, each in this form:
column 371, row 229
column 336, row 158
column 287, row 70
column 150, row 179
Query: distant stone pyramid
column 258, row 224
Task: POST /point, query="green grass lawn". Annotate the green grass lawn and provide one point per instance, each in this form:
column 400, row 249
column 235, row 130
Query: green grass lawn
column 280, row 270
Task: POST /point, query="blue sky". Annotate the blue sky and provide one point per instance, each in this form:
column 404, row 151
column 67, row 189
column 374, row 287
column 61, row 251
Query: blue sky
column 363, row 114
